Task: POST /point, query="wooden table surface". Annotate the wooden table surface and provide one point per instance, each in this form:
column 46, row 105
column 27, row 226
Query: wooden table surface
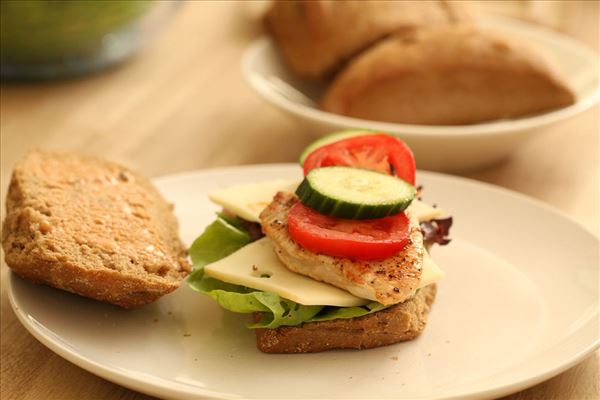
column 182, row 104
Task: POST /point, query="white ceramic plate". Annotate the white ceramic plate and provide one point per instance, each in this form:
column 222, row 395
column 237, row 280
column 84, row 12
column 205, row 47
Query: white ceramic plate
column 448, row 148
column 519, row 305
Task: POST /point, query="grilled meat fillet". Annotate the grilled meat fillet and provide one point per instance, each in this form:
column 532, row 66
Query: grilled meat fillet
column 388, row 281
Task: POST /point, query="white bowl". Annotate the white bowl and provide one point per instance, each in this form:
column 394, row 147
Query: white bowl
column 447, row 148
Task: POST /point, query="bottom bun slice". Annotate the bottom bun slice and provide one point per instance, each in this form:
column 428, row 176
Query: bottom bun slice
column 400, row 322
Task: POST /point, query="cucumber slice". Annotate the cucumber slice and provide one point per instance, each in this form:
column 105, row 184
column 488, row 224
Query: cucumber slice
column 334, row 137
column 354, row 193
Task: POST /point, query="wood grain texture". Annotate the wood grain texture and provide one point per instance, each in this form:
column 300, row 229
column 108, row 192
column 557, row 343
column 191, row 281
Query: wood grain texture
column 182, row 104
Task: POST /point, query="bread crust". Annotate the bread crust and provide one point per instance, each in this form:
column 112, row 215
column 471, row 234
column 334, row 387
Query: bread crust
column 317, row 36
column 447, row 76
column 93, row 228
column 401, row 322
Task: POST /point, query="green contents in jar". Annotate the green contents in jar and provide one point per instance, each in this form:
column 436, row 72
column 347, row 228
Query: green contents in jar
column 41, row 31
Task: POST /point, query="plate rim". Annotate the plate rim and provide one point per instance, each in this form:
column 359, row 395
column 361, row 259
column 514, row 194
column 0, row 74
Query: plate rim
column 139, row 384
column 177, row 389
column 507, row 127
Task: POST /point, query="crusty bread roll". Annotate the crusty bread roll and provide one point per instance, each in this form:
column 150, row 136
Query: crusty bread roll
column 446, row 76
column 404, row 321
column 93, row 228
column 317, row 36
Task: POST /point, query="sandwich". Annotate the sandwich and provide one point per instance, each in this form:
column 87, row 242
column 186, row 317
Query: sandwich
column 338, row 260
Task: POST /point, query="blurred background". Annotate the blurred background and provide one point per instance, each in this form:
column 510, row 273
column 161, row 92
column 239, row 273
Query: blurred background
column 158, row 86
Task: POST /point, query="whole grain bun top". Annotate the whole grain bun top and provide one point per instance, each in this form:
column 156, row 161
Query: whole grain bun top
column 91, row 227
column 448, row 75
column 317, row 36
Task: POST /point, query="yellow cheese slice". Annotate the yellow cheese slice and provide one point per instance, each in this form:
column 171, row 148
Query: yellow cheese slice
column 424, row 212
column 431, row 272
column 256, row 265
column 248, row 200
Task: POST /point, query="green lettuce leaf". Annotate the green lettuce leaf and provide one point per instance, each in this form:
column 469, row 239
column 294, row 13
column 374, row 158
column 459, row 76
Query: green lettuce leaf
column 227, row 235
column 330, row 312
column 220, row 239
column 276, row 310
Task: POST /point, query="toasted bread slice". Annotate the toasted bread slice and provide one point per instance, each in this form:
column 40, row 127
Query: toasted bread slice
column 404, row 321
column 448, row 76
column 317, row 36
column 93, row 228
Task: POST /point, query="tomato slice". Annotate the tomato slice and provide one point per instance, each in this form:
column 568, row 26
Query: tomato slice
column 373, row 239
column 380, row 152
